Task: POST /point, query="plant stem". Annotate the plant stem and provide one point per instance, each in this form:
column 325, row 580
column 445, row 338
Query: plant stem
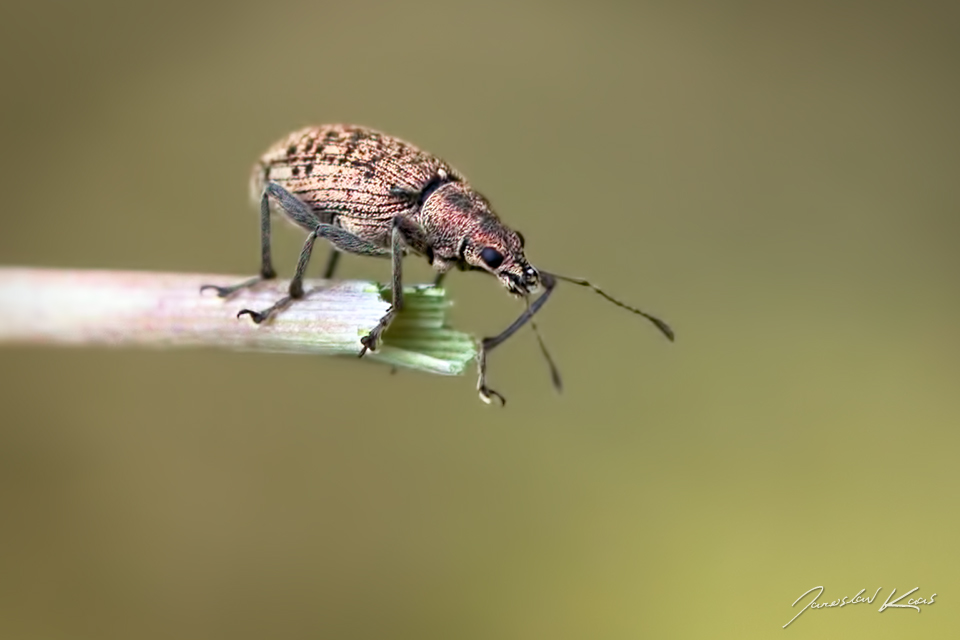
column 119, row 308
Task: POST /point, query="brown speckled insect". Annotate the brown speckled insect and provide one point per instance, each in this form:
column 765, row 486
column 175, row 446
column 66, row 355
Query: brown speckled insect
column 371, row 194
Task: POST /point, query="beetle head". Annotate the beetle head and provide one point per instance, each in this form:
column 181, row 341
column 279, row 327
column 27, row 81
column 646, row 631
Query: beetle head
column 467, row 234
column 498, row 250
column 503, row 257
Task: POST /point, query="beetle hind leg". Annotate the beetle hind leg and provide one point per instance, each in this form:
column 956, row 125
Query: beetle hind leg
column 226, row 292
column 267, row 271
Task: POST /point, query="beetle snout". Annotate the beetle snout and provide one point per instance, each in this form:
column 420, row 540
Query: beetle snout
column 530, row 278
column 524, row 283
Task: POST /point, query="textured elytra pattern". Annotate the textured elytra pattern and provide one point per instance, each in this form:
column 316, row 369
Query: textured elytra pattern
column 353, row 176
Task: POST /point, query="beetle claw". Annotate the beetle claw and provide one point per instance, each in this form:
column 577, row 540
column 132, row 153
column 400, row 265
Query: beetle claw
column 368, row 341
column 222, row 292
column 256, row 316
column 486, row 393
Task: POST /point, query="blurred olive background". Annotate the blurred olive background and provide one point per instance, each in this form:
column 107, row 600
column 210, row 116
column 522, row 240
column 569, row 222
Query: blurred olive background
column 778, row 182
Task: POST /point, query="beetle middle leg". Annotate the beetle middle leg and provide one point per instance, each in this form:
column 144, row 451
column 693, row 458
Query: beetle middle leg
column 402, row 232
column 341, row 239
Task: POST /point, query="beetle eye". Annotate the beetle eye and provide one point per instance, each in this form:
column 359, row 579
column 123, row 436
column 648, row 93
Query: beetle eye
column 522, row 241
column 491, row 256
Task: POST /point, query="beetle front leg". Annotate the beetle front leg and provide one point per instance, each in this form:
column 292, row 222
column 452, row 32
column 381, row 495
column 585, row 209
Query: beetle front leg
column 486, row 393
column 488, row 344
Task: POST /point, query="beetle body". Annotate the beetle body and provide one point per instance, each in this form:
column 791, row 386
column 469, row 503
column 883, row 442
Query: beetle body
column 372, row 194
column 360, row 180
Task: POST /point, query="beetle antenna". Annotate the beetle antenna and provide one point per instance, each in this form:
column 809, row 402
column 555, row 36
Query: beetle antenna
column 554, row 371
column 663, row 326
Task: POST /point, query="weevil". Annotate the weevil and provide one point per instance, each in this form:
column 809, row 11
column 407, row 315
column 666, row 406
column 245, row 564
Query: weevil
column 371, row 194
